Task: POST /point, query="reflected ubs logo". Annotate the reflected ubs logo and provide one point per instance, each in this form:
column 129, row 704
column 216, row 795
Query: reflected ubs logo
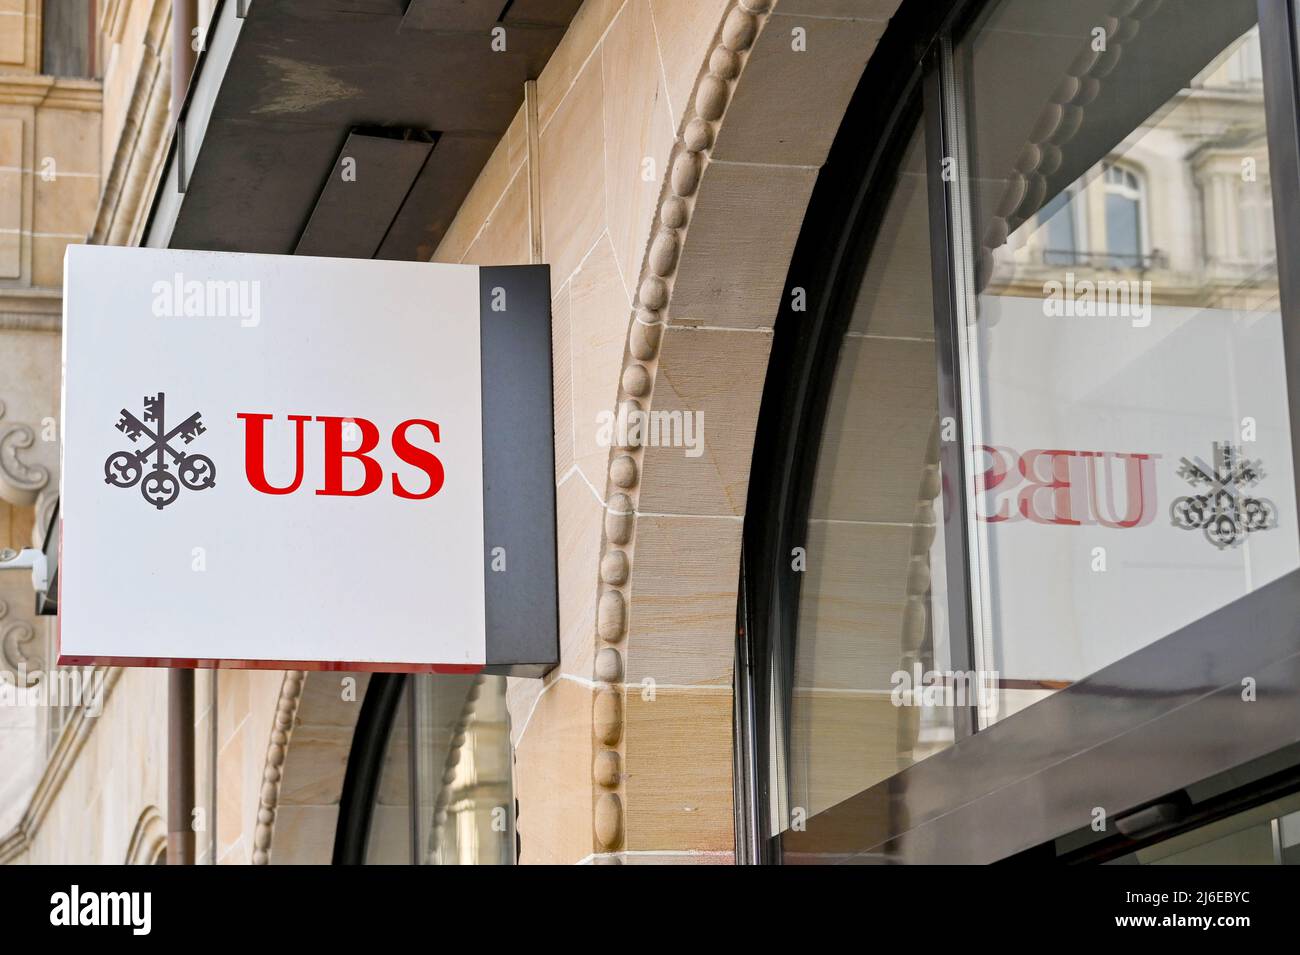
column 159, row 486
column 1070, row 488
column 1223, row 510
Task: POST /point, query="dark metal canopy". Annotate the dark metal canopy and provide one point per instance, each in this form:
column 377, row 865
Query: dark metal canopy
column 416, row 93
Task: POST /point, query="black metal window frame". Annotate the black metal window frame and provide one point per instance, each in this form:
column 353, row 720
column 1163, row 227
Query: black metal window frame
column 1006, row 790
column 379, row 711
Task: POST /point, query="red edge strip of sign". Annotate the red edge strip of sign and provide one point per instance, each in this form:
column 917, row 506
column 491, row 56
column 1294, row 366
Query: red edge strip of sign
column 194, row 664
column 322, row 665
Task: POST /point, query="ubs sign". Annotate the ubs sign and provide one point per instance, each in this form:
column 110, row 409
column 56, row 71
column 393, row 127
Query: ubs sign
column 316, row 463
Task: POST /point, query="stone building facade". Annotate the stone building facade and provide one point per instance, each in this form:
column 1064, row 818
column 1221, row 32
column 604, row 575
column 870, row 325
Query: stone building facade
column 677, row 143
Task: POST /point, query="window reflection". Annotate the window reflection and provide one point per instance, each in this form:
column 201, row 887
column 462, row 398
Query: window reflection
column 872, row 665
column 445, row 789
column 1266, row 835
column 1124, row 424
column 1061, row 220
column 1132, row 437
column 1123, row 220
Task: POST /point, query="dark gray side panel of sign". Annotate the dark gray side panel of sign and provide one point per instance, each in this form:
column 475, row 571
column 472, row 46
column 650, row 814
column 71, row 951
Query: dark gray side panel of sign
column 519, row 563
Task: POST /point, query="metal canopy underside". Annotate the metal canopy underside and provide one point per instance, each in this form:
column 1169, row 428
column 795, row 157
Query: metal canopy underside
column 305, row 73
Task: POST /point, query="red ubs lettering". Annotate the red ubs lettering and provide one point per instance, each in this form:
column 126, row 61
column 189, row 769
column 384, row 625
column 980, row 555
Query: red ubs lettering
column 1067, row 488
column 403, row 443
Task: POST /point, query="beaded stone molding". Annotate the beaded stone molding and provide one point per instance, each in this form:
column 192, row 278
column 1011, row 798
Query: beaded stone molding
column 286, row 710
column 712, row 93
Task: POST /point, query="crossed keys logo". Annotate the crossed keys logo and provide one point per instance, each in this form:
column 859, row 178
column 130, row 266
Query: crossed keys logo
column 1223, row 510
column 159, row 486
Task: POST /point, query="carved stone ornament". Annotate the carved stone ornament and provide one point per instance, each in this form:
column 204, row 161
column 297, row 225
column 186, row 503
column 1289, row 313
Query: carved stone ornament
column 20, row 650
column 20, row 482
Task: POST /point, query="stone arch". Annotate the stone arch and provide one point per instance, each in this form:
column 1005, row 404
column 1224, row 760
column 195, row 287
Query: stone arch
column 298, row 804
column 148, row 843
column 764, row 111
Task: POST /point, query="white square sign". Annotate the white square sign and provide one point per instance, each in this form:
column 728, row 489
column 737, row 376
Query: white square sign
column 271, row 461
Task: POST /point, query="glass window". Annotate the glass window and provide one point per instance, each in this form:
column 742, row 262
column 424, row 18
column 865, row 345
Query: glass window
column 444, row 794
column 872, row 671
column 1130, row 439
column 1060, row 222
column 1123, row 219
column 1046, row 445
